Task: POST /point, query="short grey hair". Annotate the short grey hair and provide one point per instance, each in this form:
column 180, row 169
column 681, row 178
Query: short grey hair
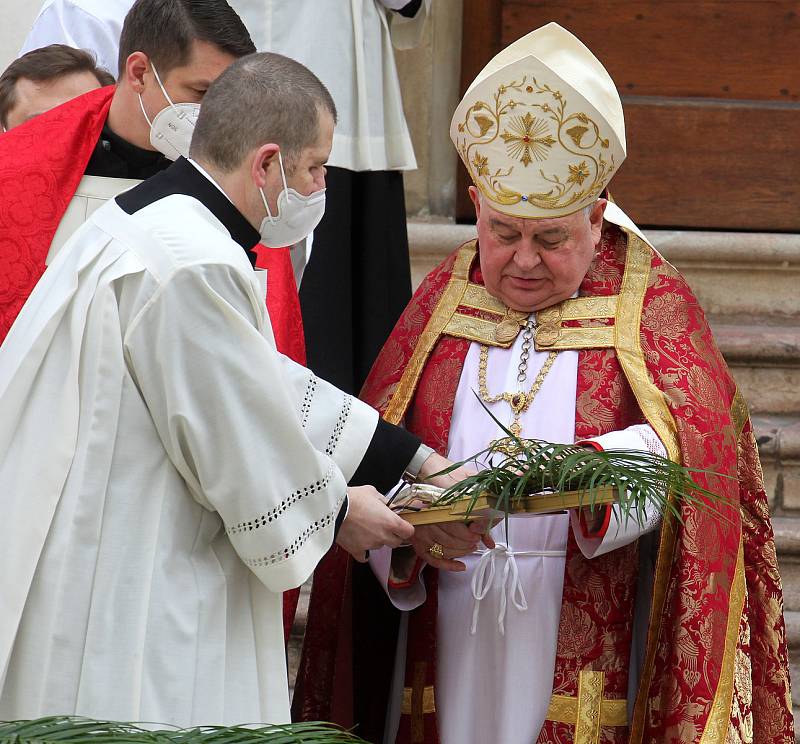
column 260, row 98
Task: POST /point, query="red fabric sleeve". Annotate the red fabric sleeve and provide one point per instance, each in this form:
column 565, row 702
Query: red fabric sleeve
column 418, row 564
column 601, row 532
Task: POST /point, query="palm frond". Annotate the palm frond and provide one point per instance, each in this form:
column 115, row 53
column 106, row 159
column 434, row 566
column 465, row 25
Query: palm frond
column 77, row 730
column 521, row 467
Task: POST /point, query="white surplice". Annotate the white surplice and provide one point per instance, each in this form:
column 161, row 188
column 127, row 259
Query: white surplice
column 495, row 684
column 164, row 475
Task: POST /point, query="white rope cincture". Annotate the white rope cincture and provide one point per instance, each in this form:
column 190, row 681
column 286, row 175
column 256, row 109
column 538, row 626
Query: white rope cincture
column 510, row 584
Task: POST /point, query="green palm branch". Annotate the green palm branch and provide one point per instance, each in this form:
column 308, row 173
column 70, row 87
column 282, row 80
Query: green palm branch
column 522, row 467
column 77, row 730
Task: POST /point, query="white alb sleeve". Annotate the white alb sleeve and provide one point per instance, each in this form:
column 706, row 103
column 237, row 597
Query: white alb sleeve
column 407, row 598
column 621, row 532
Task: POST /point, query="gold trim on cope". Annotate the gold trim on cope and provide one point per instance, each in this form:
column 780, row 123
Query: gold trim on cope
column 551, row 333
column 739, row 413
column 589, row 308
column 473, row 329
column 654, row 406
column 595, row 337
column 428, row 702
column 563, row 709
column 590, row 698
column 548, row 338
column 628, row 345
column 477, row 296
column 589, row 711
column 448, row 302
column 716, row 730
column 486, row 332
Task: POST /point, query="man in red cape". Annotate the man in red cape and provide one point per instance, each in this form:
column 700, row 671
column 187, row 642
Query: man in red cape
column 696, row 650
column 59, row 166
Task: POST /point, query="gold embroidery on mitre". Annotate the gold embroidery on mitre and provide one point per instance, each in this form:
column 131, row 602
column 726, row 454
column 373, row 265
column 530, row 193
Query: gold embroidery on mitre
column 529, row 139
column 547, row 125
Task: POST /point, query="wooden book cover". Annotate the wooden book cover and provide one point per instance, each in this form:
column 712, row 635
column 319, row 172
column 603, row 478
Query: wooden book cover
column 487, row 505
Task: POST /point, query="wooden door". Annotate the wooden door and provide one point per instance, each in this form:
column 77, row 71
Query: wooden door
column 711, row 92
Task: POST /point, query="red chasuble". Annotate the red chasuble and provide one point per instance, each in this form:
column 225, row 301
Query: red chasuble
column 715, row 665
column 41, row 165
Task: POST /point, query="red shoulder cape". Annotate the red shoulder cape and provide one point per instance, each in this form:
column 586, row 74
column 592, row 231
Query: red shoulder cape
column 41, row 165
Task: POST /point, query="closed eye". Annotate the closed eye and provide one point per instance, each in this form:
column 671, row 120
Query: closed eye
column 507, row 238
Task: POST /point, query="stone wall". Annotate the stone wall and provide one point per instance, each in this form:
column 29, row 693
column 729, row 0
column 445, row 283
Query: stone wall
column 16, row 19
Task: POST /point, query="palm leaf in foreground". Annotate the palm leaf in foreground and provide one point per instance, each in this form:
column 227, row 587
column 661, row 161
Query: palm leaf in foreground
column 77, row 730
column 521, row 467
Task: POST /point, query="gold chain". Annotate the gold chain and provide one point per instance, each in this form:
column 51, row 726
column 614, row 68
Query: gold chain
column 519, row 401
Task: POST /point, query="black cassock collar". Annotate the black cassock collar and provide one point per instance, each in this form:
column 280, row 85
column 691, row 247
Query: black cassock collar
column 114, row 157
column 183, row 178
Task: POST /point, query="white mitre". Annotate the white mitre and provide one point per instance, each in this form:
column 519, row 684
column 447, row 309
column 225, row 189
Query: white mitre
column 541, row 129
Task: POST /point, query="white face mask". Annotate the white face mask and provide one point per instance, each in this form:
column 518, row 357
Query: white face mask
column 297, row 216
column 172, row 128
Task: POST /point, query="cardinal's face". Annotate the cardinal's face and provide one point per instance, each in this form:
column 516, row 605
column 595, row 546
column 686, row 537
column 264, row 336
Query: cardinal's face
column 530, row 264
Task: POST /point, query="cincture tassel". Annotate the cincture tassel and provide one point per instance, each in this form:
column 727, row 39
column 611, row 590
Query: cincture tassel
column 510, row 583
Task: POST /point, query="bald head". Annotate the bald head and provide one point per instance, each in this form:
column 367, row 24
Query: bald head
column 260, row 98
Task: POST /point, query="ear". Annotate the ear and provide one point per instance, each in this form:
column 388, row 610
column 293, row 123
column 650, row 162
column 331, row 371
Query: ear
column 261, row 160
column 475, row 196
column 596, row 220
column 137, row 64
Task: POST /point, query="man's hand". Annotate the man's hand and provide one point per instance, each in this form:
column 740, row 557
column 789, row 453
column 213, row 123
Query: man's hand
column 456, row 538
column 370, row 524
column 435, row 464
